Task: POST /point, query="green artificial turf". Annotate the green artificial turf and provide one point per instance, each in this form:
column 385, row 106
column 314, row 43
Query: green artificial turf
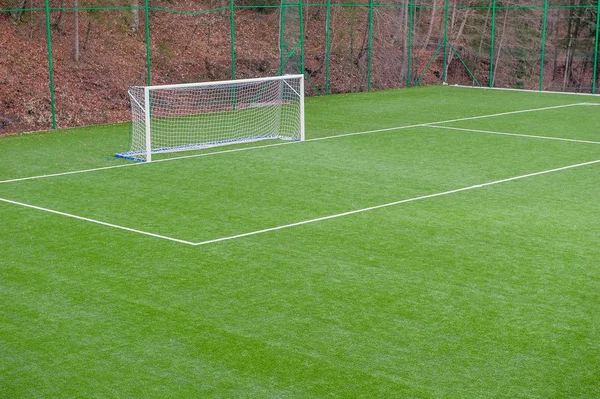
column 490, row 292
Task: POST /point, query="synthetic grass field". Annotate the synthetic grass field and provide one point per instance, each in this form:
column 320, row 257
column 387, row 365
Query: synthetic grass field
column 448, row 249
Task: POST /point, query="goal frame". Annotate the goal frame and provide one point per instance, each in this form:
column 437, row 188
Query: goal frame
column 147, row 105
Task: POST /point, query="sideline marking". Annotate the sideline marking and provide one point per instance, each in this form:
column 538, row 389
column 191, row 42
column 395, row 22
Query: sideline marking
column 404, row 201
column 337, row 215
column 70, row 215
column 428, row 124
column 513, row 134
column 526, row 90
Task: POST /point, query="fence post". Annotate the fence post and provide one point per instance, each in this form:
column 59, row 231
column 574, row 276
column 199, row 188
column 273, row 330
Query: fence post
column 410, row 40
column 50, row 64
column 492, row 43
column 370, row 46
column 148, row 51
column 301, row 27
column 543, row 51
column 595, row 77
column 446, row 16
column 232, row 36
column 282, row 45
column 327, row 45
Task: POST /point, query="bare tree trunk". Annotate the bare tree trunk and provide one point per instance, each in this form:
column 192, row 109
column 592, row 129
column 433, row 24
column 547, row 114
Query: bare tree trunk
column 499, row 49
column 332, row 20
column 135, row 14
column 87, row 33
column 457, row 38
column 556, row 66
column 403, row 36
column 59, row 24
column 16, row 14
column 452, row 18
column 485, row 24
column 577, row 21
column 430, row 29
column 568, row 62
column 364, row 46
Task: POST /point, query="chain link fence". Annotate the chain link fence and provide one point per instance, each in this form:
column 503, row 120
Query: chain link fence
column 69, row 62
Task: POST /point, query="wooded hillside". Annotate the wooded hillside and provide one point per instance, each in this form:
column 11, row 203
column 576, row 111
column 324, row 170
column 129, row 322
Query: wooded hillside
column 100, row 47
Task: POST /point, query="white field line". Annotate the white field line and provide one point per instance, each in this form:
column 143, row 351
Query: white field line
column 115, row 226
column 513, row 134
column 404, row 201
column 290, row 142
column 525, row 90
column 143, row 163
column 281, row 227
column 469, row 118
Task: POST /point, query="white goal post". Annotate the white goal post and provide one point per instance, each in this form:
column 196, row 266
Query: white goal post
column 171, row 118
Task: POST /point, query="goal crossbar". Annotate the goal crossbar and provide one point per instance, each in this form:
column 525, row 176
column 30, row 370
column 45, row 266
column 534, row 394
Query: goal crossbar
column 224, row 82
column 191, row 116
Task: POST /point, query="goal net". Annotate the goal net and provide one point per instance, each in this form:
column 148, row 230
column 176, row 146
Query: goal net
column 193, row 116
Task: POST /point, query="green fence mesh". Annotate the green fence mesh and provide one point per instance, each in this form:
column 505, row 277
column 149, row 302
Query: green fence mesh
column 69, row 62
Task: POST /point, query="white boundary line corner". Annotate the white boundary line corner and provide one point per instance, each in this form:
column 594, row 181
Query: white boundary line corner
column 403, row 201
column 303, row 222
column 115, row 226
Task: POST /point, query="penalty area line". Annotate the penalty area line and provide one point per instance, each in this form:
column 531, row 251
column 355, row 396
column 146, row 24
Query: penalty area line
column 389, row 204
column 115, row 226
column 529, row 136
column 468, row 118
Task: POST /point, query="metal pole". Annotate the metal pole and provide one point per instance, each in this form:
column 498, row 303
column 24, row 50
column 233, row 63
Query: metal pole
column 232, row 37
column 302, row 127
column 301, row 22
column 492, row 43
column 410, row 40
column 327, row 45
column 595, row 77
column 370, row 46
column 283, row 57
column 50, row 64
column 147, row 121
column 147, row 28
column 543, row 50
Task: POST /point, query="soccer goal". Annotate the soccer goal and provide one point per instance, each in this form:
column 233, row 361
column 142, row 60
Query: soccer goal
column 171, row 118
